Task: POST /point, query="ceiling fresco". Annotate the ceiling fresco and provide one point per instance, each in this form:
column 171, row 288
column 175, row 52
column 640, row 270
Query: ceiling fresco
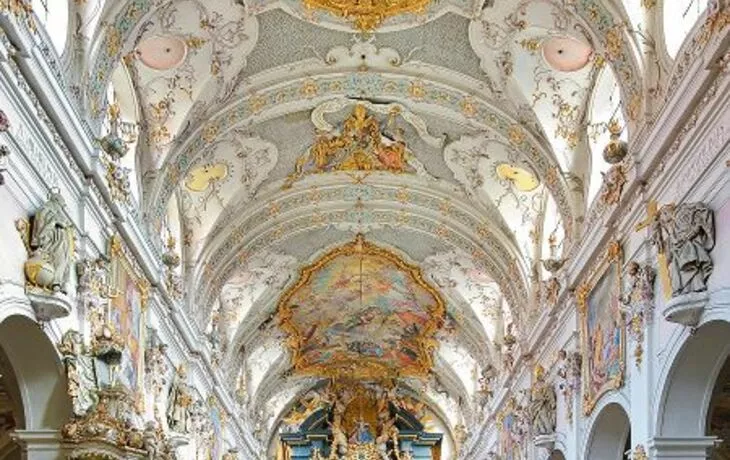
column 363, row 312
column 365, row 188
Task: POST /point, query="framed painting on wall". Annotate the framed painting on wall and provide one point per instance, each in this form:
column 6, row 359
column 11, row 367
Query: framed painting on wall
column 510, row 432
column 217, row 423
column 603, row 338
column 127, row 311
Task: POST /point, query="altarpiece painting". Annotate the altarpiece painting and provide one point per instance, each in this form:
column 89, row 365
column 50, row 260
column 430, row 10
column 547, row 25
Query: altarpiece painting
column 127, row 310
column 602, row 332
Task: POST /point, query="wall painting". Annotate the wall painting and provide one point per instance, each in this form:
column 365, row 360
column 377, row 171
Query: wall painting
column 127, row 309
column 603, row 339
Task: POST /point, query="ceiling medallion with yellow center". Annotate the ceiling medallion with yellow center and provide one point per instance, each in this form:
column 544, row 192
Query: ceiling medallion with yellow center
column 367, row 15
column 522, row 179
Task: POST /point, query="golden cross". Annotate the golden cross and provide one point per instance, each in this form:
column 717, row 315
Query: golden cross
column 652, row 209
column 652, row 213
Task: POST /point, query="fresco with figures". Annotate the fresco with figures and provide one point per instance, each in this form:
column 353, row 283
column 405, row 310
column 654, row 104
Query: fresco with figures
column 127, row 317
column 603, row 332
column 362, row 310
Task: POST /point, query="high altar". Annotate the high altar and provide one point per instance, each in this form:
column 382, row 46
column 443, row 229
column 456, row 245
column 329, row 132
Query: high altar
column 366, row 422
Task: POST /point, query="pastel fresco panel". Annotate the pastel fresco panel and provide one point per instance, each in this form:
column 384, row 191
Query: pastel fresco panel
column 602, row 331
column 361, row 310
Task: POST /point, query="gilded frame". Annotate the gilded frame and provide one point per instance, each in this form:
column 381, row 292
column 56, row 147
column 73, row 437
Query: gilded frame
column 125, row 274
column 504, row 433
column 373, row 370
column 609, row 265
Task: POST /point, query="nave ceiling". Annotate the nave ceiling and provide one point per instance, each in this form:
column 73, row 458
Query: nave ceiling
column 457, row 137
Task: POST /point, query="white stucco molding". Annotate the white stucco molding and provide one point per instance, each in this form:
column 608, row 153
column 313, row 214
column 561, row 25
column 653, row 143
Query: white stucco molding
column 14, row 302
column 681, row 448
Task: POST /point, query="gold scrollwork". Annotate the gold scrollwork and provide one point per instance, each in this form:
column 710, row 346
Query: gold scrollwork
column 367, row 16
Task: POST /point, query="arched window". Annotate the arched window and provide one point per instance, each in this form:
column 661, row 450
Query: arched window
column 680, row 16
column 635, row 11
column 53, row 15
column 605, row 108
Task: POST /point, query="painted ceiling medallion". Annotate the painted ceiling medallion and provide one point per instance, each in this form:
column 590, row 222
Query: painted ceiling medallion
column 566, row 54
column 201, row 177
column 523, row 180
column 360, row 146
column 361, row 312
column 368, row 15
column 162, row 53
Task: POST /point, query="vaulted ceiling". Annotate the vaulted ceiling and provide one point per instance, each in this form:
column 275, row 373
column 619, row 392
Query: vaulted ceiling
column 457, row 139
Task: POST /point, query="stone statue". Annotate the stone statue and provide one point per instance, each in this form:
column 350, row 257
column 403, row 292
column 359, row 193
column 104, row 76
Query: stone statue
column 156, row 373
column 339, row 438
column 686, row 235
column 80, row 373
column 543, row 405
column 179, row 402
column 52, row 246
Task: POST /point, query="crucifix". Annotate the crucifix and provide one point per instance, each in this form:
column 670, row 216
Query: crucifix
column 652, row 217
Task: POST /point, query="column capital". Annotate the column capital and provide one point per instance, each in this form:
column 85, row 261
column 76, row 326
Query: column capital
column 680, row 447
column 39, row 444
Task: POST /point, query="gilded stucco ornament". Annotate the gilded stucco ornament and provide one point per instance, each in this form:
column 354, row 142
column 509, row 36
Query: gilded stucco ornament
column 569, row 378
column 360, row 146
column 461, row 436
column 171, row 260
column 486, row 385
column 110, row 422
column 367, row 16
column 93, row 290
column 616, row 149
column 638, row 304
column 550, row 291
column 232, row 454
column 22, row 10
column 104, row 415
column 613, row 185
column 639, row 453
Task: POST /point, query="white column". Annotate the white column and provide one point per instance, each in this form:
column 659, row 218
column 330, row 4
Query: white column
column 39, row 444
column 681, row 448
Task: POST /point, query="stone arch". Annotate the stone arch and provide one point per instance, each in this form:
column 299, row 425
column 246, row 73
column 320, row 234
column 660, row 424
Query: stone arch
column 718, row 416
column 38, row 372
column 609, row 434
column 690, row 381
